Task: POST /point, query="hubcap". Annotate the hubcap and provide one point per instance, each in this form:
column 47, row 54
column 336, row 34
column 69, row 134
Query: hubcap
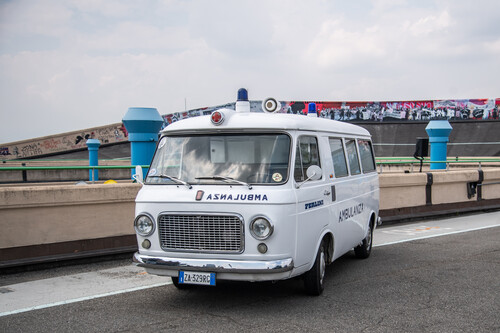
column 322, row 266
column 369, row 238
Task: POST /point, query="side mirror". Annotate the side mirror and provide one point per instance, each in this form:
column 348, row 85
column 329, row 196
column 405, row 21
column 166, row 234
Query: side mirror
column 314, row 172
column 138, row 176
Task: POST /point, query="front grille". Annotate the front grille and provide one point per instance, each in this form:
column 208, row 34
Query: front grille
column 201, row 233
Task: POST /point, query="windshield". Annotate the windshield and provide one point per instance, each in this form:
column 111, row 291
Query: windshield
column 236, row 159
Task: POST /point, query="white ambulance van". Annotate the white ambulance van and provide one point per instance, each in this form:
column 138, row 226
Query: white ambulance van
column 249, row 196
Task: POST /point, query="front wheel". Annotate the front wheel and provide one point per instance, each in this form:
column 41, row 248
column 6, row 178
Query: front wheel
column 364, row 249
column 314, row 279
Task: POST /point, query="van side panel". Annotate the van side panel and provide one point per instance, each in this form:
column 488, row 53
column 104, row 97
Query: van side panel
column 356, row 197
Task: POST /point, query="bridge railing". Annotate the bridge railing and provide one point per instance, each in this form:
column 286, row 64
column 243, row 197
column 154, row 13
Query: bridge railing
column 451, row 161
column 19, row 174
column 23, row 176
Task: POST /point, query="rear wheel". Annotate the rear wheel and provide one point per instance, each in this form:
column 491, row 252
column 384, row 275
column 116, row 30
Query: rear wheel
column 314, row 279
column 364, row 249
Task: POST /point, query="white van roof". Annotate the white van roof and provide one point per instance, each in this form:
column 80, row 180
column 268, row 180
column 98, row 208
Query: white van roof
column 264, row 121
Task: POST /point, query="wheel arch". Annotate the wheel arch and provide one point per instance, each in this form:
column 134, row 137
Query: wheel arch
column 373, row 219
column 329, row 242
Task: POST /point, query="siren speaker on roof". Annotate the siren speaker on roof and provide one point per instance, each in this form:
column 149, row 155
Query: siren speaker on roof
column 271, row 105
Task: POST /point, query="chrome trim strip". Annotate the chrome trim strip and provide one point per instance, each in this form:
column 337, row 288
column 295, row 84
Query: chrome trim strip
column 214, row 265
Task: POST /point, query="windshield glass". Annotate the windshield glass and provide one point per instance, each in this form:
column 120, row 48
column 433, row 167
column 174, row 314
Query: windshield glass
column 236, row 159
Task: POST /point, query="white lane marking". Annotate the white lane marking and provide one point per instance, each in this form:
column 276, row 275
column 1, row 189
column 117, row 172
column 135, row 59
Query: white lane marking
column 434, row 228
column 40, row 294
column 87, row 298
column 435, row 235
column 414, row 231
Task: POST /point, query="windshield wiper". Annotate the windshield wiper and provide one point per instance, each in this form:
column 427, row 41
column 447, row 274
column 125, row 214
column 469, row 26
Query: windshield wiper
column 174, row 179
column 226, row 179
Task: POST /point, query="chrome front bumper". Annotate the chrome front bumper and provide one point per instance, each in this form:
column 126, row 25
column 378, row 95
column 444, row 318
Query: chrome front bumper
column 214, row 265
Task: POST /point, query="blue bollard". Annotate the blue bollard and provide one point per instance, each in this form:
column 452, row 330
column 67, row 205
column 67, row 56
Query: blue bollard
column 93, row 147
column 439, row 132
column 143, row 125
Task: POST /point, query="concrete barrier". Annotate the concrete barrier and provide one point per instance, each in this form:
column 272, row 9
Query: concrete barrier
column 60, row 175
column 412, row 195
column 65, row 221
column 53, row 222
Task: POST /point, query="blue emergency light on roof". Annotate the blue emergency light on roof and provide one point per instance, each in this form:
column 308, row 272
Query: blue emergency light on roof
column 311, row 112
column 242, row 104
column 242, row 94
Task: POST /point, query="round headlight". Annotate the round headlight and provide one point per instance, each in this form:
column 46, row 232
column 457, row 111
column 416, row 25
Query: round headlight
column 261, row 228
column 144, row 225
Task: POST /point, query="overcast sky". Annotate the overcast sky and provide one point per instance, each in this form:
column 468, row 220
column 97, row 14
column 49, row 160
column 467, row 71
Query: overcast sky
column 70, row 65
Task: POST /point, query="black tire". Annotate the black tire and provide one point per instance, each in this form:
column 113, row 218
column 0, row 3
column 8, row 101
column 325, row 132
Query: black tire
column 364, row 249
column 314, row 279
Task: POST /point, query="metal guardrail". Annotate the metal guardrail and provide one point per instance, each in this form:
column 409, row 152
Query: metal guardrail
column 75, row 167
column 449, row 159
column 381, row 161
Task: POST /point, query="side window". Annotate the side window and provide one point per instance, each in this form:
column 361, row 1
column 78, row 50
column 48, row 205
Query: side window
column 366, row 153
column 307, row 154
column 338, row 157
column 352, row 156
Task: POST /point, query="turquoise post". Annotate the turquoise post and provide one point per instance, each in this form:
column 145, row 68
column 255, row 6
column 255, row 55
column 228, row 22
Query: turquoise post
column 143, row 125
column 93, row 147
column 439, row 132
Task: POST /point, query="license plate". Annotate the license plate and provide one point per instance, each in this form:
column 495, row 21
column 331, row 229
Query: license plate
column 200, row 278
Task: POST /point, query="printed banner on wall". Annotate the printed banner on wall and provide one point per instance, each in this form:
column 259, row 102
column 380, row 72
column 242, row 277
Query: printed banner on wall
column 360, row 111
column 464, row 109
column 457, row 109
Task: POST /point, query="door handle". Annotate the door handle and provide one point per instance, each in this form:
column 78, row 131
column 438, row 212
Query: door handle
column 332, row 192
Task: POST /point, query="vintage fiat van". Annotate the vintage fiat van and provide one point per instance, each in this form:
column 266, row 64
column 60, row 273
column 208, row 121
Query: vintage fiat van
column 249, row 196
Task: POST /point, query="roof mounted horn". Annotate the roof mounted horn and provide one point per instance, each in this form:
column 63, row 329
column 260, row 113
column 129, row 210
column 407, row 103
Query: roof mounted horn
column 271, row 105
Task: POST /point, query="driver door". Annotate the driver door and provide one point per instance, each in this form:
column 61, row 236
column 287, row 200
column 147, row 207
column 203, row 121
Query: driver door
column 313, row 199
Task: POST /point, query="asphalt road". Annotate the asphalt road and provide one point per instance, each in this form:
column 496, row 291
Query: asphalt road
column 449, row 283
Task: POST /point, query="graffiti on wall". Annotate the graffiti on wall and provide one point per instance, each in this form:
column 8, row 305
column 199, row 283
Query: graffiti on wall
column 63, row 142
